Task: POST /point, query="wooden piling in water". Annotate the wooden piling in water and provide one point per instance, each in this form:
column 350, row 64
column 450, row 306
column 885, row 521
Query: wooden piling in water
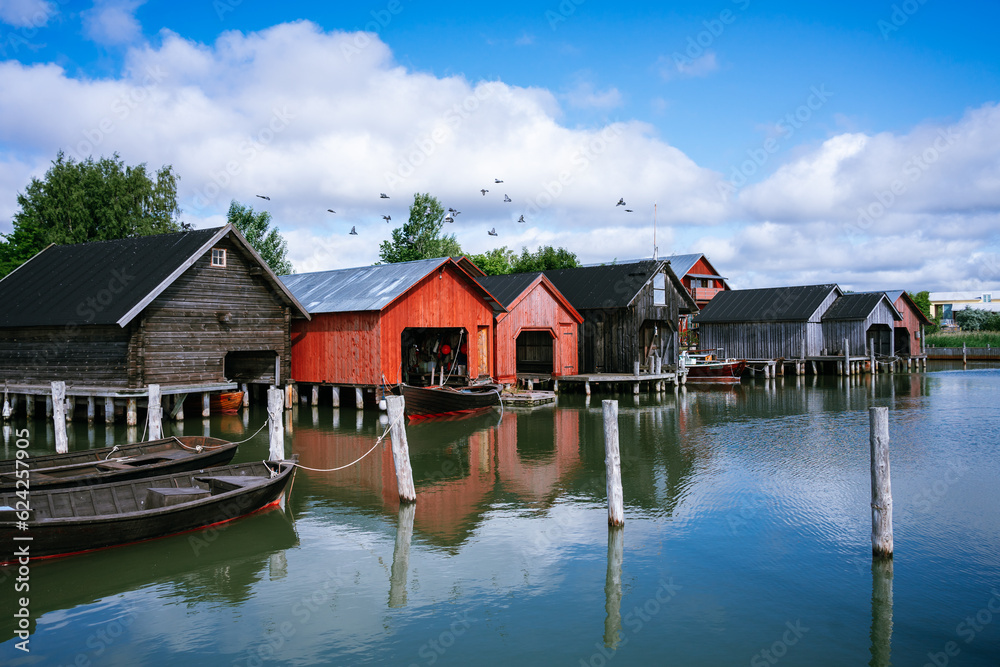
column 847, row 357
column 29, row 406
column 59, row 416
column 881, row 630
column 275, row 433
column 91, row 410
column 881, row 488
column 109, row 410
column 612, row 464
column 965, row 358
column 613, row 588
column 131, row 412
column 206, row 405
column 154, row 413
column 359, row 398
column 401, row 556
column 400, row 449
column 246, row 395
column 336, row 396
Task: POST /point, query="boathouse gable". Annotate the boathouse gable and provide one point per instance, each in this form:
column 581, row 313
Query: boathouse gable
column 865, row 320
column 190, row 308
column 360, row 317
column 630, row 311
column 538, row 333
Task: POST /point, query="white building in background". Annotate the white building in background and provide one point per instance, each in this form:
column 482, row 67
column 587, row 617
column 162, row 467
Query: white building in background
column 944, row 304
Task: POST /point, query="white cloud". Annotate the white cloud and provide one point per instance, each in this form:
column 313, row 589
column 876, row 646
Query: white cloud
column 113, row 22
column 321, row 120
column 27, row 13
column 526, row 39
column 585, row 96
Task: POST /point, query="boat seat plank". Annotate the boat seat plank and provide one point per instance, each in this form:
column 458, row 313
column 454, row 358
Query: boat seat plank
column 115, row 465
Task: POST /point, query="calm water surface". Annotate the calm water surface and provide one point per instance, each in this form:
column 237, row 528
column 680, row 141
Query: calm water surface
column 747, row 541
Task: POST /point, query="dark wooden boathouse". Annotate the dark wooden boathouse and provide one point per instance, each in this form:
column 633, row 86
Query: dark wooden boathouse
column 630, row 313
column 537, row 336
column 865, row 320
column 908, row 335
column 191, row 311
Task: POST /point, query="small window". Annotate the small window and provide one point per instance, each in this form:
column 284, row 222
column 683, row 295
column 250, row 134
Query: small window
column 218, row 256
column 988, row 297
column 659, row 290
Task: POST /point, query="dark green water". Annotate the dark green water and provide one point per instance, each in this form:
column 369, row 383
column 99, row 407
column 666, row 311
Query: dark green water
column 747, row 541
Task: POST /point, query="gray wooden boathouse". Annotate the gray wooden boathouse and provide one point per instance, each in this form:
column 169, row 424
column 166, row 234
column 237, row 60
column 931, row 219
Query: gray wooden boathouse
column 195, row 311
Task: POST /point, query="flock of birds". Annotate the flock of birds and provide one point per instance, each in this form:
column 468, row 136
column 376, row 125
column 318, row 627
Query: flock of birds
column 453, row 213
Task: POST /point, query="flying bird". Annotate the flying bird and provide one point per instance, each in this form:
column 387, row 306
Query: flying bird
column 493, row 232
column 497, row 180
column 521, row 219
column 331, row 210
column 621, row 201
column 387, row 218
column 484, row 191
column 264, row 197
column 506, row 199
column 451, row 210
column 354, row 232
column 383, row 195
column 628, row 210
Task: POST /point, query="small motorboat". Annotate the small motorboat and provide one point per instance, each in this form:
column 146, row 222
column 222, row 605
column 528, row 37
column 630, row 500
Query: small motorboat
column 704, row 366
column 64, row 522
column 436, row 401
column 110, row 464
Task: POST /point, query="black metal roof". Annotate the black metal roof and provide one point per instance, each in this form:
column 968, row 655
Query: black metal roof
column 857, row 306
column 507, row 288
column 608, row 286
column 769, row 304
column 108, row 282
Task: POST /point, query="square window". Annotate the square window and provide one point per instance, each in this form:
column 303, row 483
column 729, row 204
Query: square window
column 218, row 256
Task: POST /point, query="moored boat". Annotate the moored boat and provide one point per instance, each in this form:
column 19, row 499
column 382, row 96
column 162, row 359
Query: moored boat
column 422, row 402
column 227, row 402
column 121, row 462
column 63, row 522
column 703, row 366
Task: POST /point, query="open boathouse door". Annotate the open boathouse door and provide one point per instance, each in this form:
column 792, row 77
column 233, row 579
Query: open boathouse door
column 425, row 351
column 534, row 352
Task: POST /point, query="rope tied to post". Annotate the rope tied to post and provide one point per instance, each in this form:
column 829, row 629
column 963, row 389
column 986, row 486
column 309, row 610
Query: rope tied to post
column 360, row 458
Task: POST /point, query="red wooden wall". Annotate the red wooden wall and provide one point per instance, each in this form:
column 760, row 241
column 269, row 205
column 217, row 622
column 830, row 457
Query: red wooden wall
column 336, row 348
column 912, row 323
column 538, row 309
column 445, row 298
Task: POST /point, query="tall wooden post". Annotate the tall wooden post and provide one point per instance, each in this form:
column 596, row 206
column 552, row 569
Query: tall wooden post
column 206, row 405
column 59, row 416
column 400, row 449
column 881, row 489
column 48, row 406
column 275, row 433
column 91, row 410
column 847, row 357
column 336, row 396
column 131, row 412
column 154, row 413
column 315, row 395
column 635, row 367
column 7, row 411
column 965, row 358
column 29, row 406
column 109, row 410
column 246, row 395
column 359, row 398
column 612, row 464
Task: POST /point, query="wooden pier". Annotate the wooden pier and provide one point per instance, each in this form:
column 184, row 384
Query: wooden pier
column 835, row 365
column 653, row 382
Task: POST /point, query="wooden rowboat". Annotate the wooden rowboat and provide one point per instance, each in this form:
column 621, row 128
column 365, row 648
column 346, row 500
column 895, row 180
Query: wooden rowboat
column 121, row 462
column 64, row 522
column 226, row 402
column 707, row 367
column 421, row 402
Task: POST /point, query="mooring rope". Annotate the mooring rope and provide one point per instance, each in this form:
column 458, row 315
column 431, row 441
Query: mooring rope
column 357, row 460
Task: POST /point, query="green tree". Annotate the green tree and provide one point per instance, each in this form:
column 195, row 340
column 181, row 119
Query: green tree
column 546, row 258
column 269, row 244
column 495, row 262
column 420, row 237
column 923, row 301
column 90, row 201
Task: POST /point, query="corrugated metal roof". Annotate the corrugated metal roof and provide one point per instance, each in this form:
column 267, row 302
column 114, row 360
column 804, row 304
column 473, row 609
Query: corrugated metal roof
column 608, row 286
column 365, row 287
column 681, row 264
column 769, row 304
column 857, row 306
column 507, row 288
column 93, row 283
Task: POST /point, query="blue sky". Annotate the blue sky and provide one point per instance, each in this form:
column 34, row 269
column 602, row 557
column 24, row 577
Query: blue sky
column 856, row 143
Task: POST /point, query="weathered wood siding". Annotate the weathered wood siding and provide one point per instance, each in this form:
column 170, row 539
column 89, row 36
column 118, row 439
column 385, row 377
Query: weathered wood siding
column 857, row 331
column 337, row 348
column 611, row 339
column 447, row 298
column 82, row 355
column 911, row 323
column 208, row 311
column 538, row 310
